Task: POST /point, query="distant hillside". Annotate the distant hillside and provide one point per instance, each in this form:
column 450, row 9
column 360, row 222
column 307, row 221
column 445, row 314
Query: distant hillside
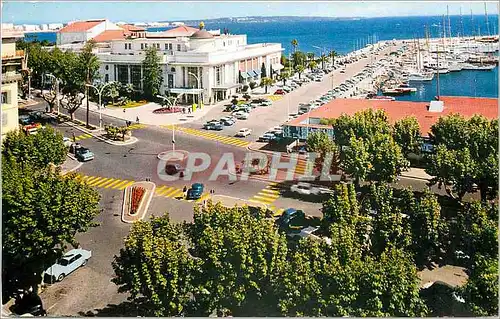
column 258, row 19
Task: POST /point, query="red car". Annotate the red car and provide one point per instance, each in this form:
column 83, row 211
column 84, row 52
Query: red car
column 279, row 92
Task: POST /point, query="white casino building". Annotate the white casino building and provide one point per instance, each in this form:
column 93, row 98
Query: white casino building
column 195, row 62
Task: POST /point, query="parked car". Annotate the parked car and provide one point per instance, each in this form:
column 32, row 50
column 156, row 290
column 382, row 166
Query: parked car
column 266, row 103
column 67, row 141
column 308, row 189
column 267, row 137
column 288, row 216
column 279, row 92
column 244, row 132
column 68, row 263
column 172, row 169
column 216, row 126
column 29, row 305
column 196, row 191
column 227, row 121
column 287, row 89
column 241, row 115
column 83, row 154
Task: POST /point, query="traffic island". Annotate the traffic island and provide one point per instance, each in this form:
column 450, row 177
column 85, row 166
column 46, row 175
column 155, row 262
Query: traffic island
column 136, row 200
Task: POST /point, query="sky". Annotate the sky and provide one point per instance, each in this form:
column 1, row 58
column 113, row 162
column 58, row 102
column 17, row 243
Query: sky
column 36, row 12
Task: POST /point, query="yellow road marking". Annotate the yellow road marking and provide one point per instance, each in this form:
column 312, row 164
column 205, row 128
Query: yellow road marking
column 166, row 190
column 203, row 197
column 114, row 183
column 95, row 181
column 106, row 183
column 102, row 182
column 122, row 182
column 270, row 191
column 126, row 185
column 265, row 199
column 175, row 193
column 91, row 178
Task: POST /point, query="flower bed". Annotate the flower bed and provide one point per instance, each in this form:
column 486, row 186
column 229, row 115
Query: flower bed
column 165, row 110
column 135, row 200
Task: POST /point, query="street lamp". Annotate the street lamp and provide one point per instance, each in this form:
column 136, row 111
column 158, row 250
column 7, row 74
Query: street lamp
column 198, row 81
column 164, row 98
column 57, row 89
column 99, row 92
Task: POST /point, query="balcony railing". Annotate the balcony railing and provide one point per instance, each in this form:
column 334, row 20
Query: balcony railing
column 11, row 77
column 18, row 54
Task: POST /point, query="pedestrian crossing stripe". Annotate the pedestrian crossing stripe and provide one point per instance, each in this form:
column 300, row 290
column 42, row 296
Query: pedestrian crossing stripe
column 276, row 211
column 203, row 197
column 268, row 195
column 82, row 137
column 211, row 136
column 301, row 167
column 275, row 97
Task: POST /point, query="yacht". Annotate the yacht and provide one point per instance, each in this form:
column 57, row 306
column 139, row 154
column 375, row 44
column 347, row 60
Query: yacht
column 420, row 76
column 485, row 67
column 454, row 66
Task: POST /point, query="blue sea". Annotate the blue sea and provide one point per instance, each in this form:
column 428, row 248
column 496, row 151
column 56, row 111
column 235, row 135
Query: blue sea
column 346, row 35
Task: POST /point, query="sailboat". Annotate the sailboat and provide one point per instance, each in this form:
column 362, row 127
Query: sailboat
column 418, row 75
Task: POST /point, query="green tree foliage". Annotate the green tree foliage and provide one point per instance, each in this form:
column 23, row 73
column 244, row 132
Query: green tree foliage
column 284, row 75
column 407, row 135
column 472, row 145
column 266, row 82
column 312, row 65
column 387, row 160
column 89, row 67
column 299, row 59
column 481, row 290
column 356, row 160
column 363, row 124
column 230, row 262
column 300, row 69
column 263, row 71
column 332, row 54
column 72, row 101
column 40, row 149
column 153, row 78
column 42, row 212
column 476, row 230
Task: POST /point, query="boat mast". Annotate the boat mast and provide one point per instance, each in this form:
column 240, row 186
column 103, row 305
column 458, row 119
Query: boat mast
column 437, row 82
column 462, row 23
column 486, row 16
column 449, row 23
column 472, row 25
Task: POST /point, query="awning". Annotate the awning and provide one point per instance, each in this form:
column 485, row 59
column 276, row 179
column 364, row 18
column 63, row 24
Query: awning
column 277, row 66
column 185, row 91
column 250, row 74
column 254, row 73
column 244, row 75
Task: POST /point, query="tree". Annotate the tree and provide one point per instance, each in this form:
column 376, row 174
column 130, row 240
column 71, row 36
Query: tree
column 153, row 78
column 72, row 101
column 263, row 71
column 475, row 143
column 266, row 82
column 387, row 160
column 300, row 69
column 295, row 44
column 312, row 65
column 356, row 160
column 89, row 64
column 321, row 144
column 44, row 148
column 427, row 227
column 113, row 91
column 310, row 56
column 407, row 135
column 332, row 54
column 481, row 290
column 299, row 58
column 42, row 213
column 284, row 75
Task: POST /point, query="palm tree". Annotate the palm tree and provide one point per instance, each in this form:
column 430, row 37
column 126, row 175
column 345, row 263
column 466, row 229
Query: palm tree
column 310, row 56
column 266, row 82
column 300, row 69
column 295, row 44
column 332, row 54
column 284, row 75
column 312, row 65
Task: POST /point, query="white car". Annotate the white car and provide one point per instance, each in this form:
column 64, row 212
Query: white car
column 67, row 142
column 68, row 263
column 277, row 130
column 244, row 132
column 241, row 115
column 309, row 232
column 308, row 189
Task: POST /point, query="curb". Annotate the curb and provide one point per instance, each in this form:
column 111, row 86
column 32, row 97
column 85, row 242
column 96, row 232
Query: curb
column 132, row 140
column 147, row 203
column 414, row 177
column 74, row 168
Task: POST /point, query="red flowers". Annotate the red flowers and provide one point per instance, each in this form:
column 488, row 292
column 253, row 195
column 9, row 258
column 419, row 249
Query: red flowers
column 137, row 194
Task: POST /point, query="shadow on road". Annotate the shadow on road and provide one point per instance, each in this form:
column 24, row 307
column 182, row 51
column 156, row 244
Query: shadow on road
column 124, row 309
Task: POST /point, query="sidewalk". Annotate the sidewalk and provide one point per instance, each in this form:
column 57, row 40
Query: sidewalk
column 70, row 165
column 146, row 115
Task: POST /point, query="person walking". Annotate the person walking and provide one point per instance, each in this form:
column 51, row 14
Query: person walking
column 184, row 191
column 137, row 120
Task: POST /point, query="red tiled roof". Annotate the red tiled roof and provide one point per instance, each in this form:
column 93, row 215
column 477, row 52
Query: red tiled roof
column 110, row 35
column 182, row 31
column 81, row 26
column 132, row 28
column 396, row 110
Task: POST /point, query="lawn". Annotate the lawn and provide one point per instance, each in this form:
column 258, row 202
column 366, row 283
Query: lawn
column 129, row 104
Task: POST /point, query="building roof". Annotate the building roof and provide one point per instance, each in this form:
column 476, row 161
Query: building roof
column 182, row 31
column 202, row 34
column 396, row 110
column 132, row 28
column 81, row 26
column 109, row 35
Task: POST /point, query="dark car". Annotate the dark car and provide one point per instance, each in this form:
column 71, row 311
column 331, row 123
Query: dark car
column 279, row 92
column 84, row 154
column 195, row 191
column 288, row 216
column 30, row 303
column 172, row 169
column 216, row 126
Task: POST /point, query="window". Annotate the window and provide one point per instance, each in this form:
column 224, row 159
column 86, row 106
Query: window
column 142, row 46
column 106, row 67
column 166, row 46
column 218, row 75
column 178, row 47
column 170, row 46
column 106, row 78
column 172, row 70
column 146, row 45
column 4, row 118
column 158, row 46
column 5, row 98
column 223, row 43
column 170, row 81
column 126, row 46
